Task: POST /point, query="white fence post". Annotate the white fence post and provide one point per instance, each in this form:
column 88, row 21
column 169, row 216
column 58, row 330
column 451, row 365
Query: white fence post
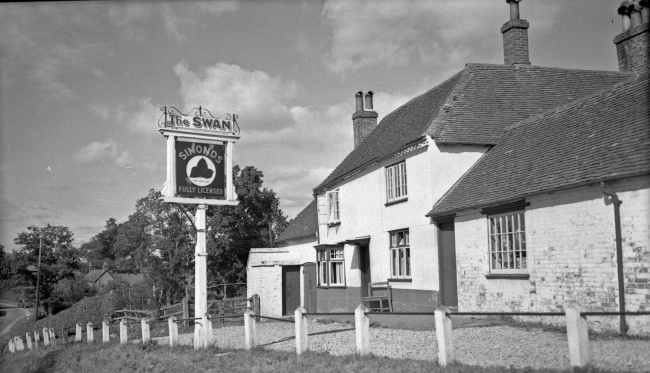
column 146, row 333
column 12, row 346
column 123, row 332
column 106, row 332
column 302, row 341
column 208, row 330
column 173, row 331
column 28, row 337
column 78, row 331
column 578, row 336
column 362, row 326
column 90, row 334
column 52, row 337
column 249, row 330
column 444, row 336
column 19, row 343
column 46, row 337
column 36, row 338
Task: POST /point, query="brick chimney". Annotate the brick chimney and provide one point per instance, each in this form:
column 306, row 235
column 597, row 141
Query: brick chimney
column 632, row 44
column 515, row 37
column 363, row 121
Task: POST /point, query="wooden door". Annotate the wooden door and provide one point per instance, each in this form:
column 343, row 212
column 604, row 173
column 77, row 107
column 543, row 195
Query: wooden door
column 311, row 283
column 290, row 289
column 447, row 257
column 364, row 268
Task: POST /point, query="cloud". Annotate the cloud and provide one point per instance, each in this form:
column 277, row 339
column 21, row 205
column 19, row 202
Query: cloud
column 259, row 98
column 101, row 151
column 389, row 33
column 183, row 15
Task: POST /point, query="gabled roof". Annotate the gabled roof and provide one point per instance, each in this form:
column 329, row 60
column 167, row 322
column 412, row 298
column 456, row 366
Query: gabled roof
column 604, row 136
column 473, row 107
column 305, row 224
column 95, row 274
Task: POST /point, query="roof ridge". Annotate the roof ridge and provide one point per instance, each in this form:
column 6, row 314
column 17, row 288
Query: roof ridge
column 438, row 122
column 561, row 108
column 519, row 66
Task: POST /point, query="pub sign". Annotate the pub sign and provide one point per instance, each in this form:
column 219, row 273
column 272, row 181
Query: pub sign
column 200, row 169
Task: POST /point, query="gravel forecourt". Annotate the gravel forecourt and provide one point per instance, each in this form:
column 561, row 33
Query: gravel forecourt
column 500, row 345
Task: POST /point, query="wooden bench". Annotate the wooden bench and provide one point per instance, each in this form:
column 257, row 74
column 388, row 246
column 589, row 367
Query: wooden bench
column 379, row 292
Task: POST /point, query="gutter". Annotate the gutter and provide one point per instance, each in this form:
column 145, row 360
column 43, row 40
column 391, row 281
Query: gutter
column 619, row 255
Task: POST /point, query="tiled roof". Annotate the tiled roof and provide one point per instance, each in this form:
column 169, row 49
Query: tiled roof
column 604, row 136
column 473, row 107
column 396, row 131
column 305, row 224
column 495, row 96
column 93, row 275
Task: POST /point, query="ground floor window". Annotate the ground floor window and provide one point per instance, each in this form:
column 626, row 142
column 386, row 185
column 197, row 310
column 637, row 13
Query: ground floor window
column 331, row 267
column 507, row 241
column 400, row 254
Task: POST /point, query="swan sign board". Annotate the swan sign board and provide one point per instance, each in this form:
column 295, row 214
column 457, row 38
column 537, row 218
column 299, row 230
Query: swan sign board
column 200, row 169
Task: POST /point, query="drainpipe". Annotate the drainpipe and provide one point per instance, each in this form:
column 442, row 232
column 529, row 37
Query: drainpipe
column 619, row 254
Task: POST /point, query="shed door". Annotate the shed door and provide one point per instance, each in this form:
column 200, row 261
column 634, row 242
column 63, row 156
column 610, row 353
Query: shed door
column 290, row 289
column 447, row 255
column 311, row 283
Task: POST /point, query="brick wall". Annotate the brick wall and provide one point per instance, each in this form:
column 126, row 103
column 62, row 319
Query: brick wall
column 515, row 42
column 363, row 122
column 632, row 49
column 571, row 247
column 267, row 283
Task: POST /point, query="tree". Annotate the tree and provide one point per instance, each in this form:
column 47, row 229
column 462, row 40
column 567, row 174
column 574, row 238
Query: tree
column 59, row 259
column 234, row 230
column 100, row 248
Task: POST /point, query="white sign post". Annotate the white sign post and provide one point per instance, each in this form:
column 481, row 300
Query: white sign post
column 199, row 146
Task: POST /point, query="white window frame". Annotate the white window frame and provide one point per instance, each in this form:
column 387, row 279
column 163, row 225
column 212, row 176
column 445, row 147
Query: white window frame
column 507, row 252
column 400, row 254
column 396, row 185
column 333, row 207
column 331, row 261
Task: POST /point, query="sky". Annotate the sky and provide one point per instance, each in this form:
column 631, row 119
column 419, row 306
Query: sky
column 82, row 84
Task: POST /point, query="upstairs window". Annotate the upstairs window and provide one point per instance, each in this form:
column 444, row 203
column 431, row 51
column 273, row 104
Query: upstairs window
column 400, row 254
column 507, row 242
column 331, row 267
column 396, row 182
column 333, row 207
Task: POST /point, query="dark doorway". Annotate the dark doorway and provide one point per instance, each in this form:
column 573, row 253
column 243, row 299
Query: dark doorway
column 364, row 268
column 447, row 257
column 309, row 271
column 290, row 289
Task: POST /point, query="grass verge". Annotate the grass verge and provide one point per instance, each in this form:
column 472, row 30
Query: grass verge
column 113, row 357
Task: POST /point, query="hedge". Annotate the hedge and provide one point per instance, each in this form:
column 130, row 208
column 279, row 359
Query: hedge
column 94, row 309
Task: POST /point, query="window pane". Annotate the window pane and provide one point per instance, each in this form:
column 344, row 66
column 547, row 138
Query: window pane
column 408, row 261
column 394, row 261
column 407, row 237
column 401, row 262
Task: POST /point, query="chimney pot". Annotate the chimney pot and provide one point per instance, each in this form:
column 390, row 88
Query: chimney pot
column 514, row 8
column 635, row 13
column 359, row 101
column 625, row 15
column 369, row 100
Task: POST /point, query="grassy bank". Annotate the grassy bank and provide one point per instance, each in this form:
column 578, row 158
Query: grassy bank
column 96, row 357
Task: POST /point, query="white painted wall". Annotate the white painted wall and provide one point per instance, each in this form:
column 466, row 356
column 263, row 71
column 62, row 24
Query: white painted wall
column 264, row 273
column 571, row 256
column 431, row 171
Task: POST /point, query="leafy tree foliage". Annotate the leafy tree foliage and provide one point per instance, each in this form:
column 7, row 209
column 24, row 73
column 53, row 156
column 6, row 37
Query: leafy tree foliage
column 59, row 259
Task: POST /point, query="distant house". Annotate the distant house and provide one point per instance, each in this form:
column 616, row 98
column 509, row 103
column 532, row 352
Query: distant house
column 285, row 277
column 99, row 278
